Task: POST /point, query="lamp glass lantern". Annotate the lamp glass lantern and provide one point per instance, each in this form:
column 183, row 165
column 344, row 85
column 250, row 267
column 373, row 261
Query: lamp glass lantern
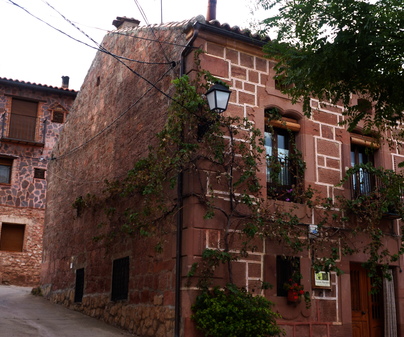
column 218, row 98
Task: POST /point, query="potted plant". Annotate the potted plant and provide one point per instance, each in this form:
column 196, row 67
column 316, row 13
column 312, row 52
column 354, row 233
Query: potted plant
column 295, row 291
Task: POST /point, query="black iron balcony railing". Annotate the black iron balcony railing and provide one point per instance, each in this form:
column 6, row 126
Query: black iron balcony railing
column 282, row 178
column 22, row 129
column 362, row 184
column 367, row 184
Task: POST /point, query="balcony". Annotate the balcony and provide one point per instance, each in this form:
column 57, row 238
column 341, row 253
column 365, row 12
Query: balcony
column 22, row 129
column 283, row 182
column 382, row 188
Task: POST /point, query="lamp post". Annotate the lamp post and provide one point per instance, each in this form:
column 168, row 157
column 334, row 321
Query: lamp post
column 218, row 98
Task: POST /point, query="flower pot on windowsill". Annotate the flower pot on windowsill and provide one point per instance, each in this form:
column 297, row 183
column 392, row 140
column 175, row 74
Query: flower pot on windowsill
column 293, row 296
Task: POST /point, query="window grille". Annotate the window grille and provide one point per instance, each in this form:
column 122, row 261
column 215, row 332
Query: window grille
column 79, row 289
column 120, row 279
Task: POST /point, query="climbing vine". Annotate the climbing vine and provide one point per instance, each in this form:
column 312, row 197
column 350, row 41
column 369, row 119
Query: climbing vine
column 225, row 154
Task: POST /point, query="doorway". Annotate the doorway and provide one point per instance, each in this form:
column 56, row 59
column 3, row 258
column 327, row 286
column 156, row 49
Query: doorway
column 367, row 307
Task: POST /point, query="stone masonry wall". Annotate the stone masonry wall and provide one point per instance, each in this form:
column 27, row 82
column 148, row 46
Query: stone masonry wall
column 114, row 120
column 23, row 268
column 23, row 201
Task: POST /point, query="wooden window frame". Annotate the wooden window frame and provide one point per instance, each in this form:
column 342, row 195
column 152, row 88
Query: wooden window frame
column 61, row 114
column 289, row 128
column 15, row 244
column 7, row 162
column 39, row 173
column 285, row 268
column 23, row 124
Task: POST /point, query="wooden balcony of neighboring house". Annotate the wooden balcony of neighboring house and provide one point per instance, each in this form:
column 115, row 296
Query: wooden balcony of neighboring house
column 367, row 184
column 21, row 129
column 283, row 182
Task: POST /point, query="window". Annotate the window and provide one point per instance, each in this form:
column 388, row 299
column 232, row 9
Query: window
column 286, row 268
column 5, row 170
column 58, row 116
column 120, row 279
column 363, row 182
column 79, row 289
column 12, row 237
column 39, row 173
column 23, row 119
column 282, row 168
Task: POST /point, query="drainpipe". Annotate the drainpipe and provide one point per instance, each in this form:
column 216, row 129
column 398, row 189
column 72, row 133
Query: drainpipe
column 180, row 179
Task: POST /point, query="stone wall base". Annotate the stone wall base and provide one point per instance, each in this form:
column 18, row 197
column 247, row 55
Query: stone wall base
column 141, row 320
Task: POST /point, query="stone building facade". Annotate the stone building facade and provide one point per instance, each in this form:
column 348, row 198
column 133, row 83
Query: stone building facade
column 32, row 116
column 115, row 119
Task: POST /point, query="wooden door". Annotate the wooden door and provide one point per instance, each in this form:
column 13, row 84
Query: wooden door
column 367, row 308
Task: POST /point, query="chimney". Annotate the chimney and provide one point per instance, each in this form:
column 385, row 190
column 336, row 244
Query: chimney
column 211, row 15
column 65, row 82
column 124, row 22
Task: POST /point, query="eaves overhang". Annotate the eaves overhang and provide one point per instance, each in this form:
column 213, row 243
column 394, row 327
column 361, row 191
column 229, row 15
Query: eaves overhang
column 214, row 27
column 41, row 87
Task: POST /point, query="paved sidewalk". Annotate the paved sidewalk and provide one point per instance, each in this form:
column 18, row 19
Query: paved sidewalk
column 25, row 315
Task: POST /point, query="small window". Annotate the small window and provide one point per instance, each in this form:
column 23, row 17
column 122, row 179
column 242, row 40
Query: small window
column 120, row 279
column 39, row 173
column 12, row 237
column 58, row 116
column 79, row 289
column 5, row 170
column 287, row 268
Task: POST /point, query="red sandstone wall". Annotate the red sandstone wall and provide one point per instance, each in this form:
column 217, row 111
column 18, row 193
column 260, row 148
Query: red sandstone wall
column 114, row 120
column 86, row 155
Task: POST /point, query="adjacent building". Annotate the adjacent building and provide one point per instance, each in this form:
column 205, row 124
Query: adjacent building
column 114, row 120
column 31, row 117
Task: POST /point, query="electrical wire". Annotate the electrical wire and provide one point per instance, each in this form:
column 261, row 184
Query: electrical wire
column 152, row 40
column 147, row 22
column 80, row 41
column 112, row 123
column 119, row 59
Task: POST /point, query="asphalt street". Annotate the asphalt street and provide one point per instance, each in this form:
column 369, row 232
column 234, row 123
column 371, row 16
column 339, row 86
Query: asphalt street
column 25, row 315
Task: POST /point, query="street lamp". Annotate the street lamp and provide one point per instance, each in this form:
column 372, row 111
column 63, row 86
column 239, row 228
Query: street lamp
column 218, row 97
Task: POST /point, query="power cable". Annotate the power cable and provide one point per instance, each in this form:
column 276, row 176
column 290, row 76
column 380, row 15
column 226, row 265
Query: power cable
column 118, row 58
column 112, row 123
column 147, row 22
column 152, row 40
column 172, row 63
column 82, row 42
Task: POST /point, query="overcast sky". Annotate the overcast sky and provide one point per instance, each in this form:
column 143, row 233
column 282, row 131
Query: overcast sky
column 32, row 51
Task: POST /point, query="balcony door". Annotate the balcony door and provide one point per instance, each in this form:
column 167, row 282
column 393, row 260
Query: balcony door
column 23, row 120
column 362, row 182
column 281, row 170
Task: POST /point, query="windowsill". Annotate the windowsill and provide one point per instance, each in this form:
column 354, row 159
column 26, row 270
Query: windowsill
column 21, row 141
column 11, row 251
